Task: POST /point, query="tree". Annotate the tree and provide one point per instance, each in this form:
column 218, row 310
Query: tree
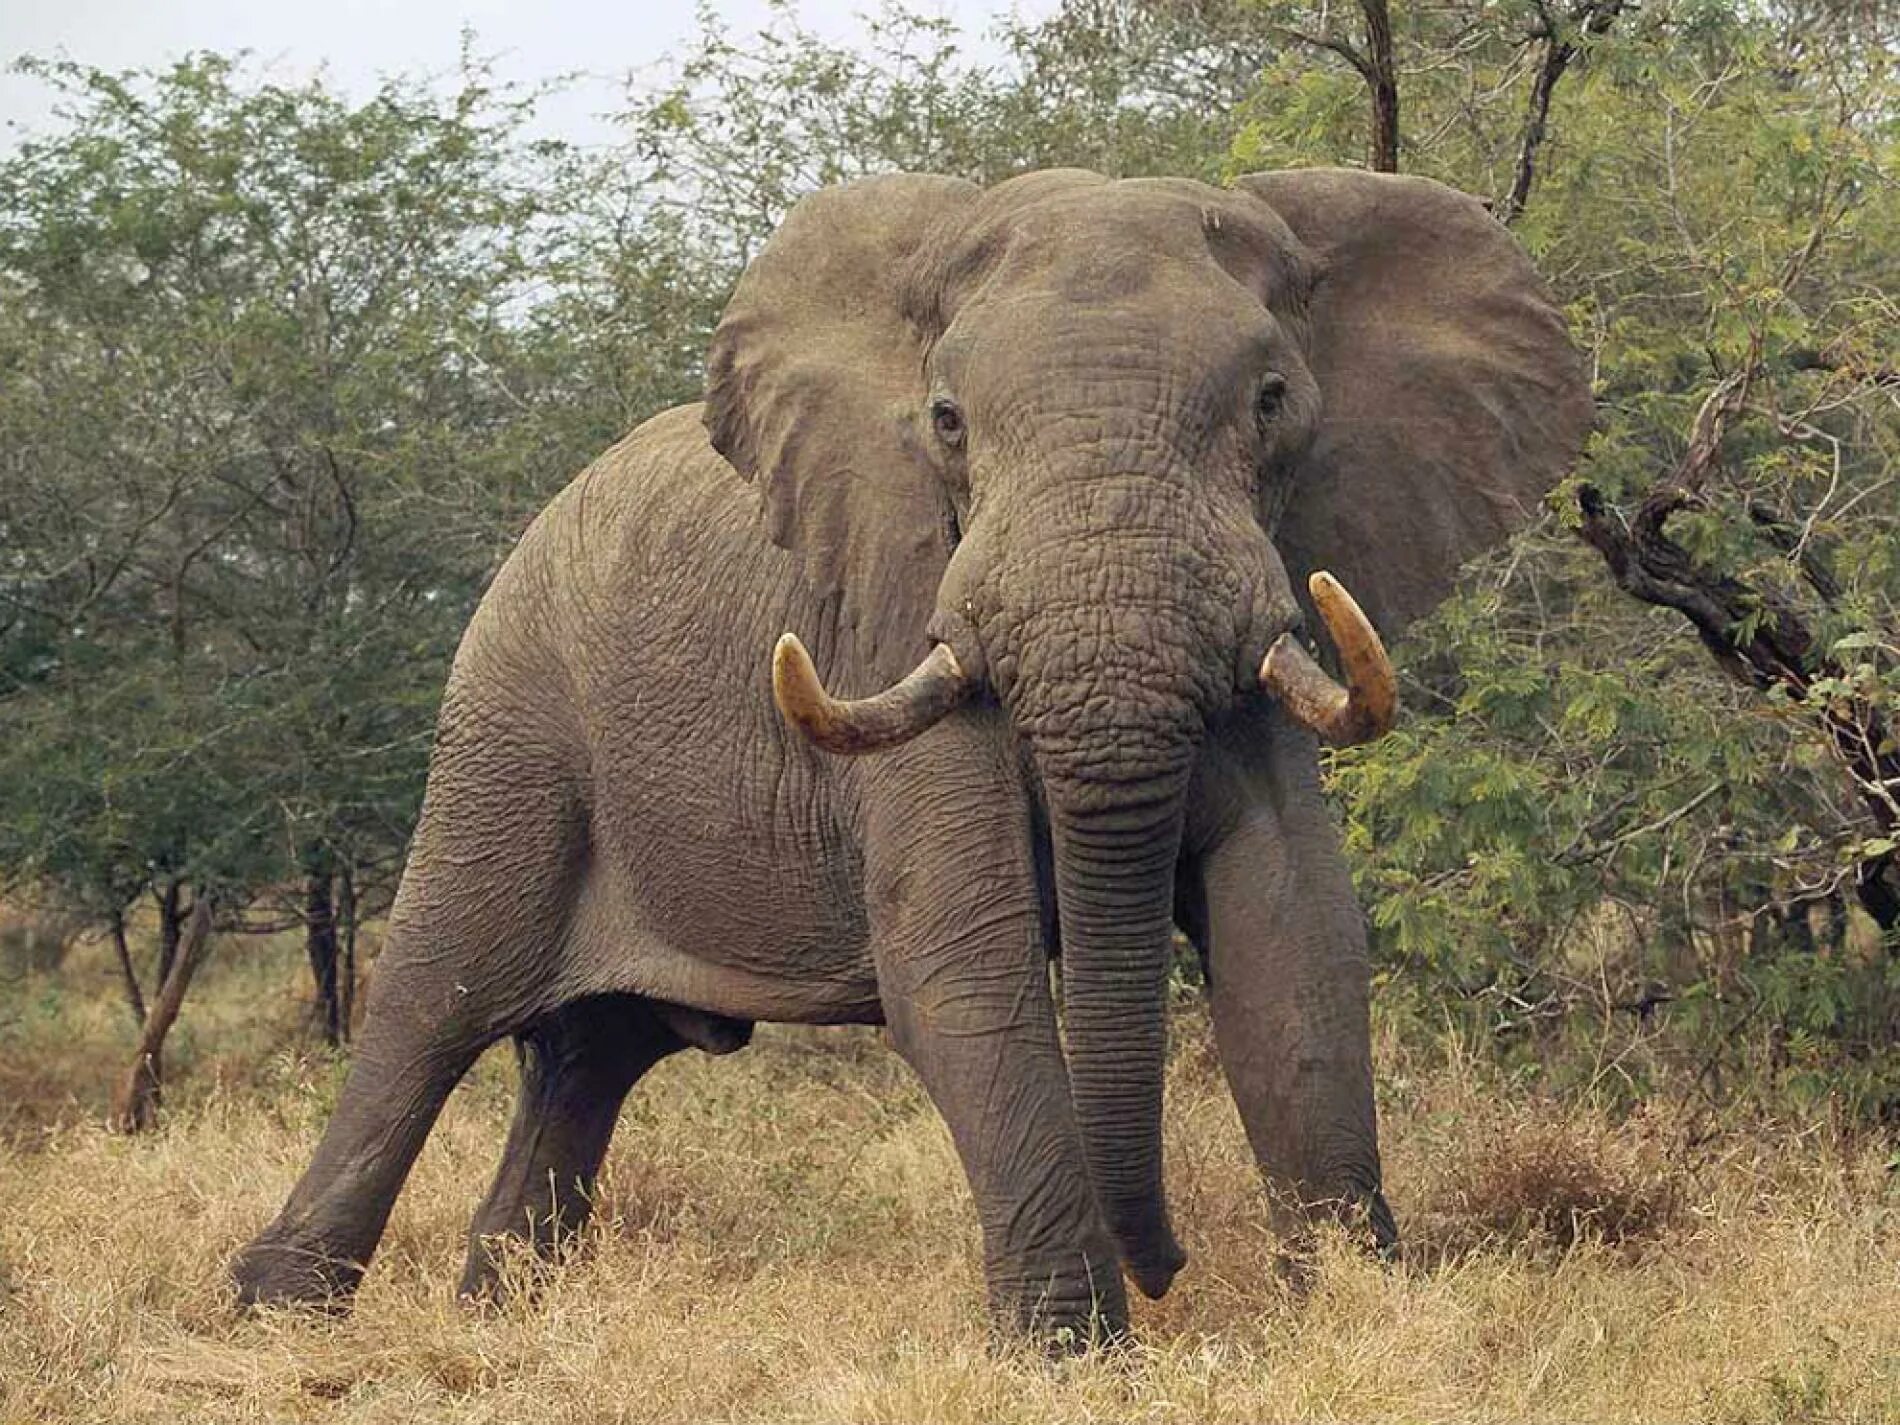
column 257, row 343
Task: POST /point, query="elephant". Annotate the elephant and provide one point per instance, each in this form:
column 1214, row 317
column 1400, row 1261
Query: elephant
column 1033, row 492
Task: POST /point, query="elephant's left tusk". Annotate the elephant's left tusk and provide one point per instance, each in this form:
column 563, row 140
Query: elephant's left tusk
column 899, row 713
column 1369, row 703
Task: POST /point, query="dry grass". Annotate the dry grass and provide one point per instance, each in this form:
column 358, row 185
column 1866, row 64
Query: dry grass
column 784, row 1235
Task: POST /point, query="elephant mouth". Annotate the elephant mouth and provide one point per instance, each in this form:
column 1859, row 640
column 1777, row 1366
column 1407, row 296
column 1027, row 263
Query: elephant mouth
column 1361, row 711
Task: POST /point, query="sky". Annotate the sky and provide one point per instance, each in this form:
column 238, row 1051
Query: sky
column 355, row 41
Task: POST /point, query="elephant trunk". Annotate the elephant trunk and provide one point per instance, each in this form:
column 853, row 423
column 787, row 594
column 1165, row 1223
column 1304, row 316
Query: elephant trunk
column 1114, row 878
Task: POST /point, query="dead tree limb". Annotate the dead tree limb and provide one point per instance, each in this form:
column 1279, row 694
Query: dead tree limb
column 1762, row 641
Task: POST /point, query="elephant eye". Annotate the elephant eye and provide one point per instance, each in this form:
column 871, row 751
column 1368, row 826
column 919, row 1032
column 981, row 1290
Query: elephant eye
column 947, row 420
column 1267, row 402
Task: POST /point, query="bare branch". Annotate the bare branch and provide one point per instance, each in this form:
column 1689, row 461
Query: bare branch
column 1661, row 823
column 1597, row 16
column 1337, row 46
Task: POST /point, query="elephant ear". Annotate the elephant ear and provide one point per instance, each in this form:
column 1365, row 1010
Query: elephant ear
column 1452, row 397
column 814, row 392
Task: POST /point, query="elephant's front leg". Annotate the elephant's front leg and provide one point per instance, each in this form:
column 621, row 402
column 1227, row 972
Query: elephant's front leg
column 964, row 980
column 1288, row 979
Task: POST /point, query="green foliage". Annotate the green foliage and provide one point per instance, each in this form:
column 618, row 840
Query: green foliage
column 259, row 441
column 741, row 129
column 1586, row 830
column 283, row 375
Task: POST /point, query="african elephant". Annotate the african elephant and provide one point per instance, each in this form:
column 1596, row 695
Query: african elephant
column 1031, row 471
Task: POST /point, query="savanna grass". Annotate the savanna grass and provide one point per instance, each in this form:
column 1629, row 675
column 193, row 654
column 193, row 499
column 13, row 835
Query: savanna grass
column 784, row 1235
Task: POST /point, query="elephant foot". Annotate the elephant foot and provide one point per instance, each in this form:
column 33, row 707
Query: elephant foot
column 275, row 1272
column 1376, row 1215
column 1059, row 1333
column 494, row 1274
column 1366, row 1217
column 1062, row 1317
column 484, row 1285
column 1081, row 1337
column 1362, row 1212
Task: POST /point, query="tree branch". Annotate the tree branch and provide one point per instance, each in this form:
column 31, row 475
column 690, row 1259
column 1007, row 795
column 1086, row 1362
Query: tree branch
column 1596, row 16
column 1661, row 823
column 135, row 1104
column 134, row 996
column 1382, row 79
column 1811, row 359
column 1758, row 639
column 1337, row 46
column 1793, row 544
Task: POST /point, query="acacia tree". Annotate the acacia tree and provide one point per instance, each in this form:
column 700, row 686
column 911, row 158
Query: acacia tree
column 256, row 342
column 741, row 127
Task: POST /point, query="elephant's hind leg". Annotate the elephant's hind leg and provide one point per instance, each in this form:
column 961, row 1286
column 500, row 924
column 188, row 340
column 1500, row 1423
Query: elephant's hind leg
column 577, row 1066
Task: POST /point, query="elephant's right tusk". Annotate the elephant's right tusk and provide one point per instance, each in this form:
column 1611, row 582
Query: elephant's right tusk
column 897, row 714
column 1362, row 710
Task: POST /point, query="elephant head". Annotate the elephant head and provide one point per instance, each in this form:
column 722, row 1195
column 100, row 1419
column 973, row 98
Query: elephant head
column 1071, row 441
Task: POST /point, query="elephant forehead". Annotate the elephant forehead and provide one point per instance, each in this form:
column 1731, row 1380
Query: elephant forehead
column 1111, row 242
column 1116, row 349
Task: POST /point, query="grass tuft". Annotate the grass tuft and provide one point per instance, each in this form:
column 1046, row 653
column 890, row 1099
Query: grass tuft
column 1551, row 1184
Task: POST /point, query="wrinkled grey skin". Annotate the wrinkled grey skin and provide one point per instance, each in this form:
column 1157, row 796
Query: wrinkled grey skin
column 624, row 851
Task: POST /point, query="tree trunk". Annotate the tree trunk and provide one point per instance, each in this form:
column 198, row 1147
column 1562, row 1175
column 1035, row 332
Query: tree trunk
column 1596, row 17
column 346, row 968
column 1382, row 79
column 135, row 1105
column 1378, row 69
column 319, row 921
column 134, row 996
column 170, row 918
